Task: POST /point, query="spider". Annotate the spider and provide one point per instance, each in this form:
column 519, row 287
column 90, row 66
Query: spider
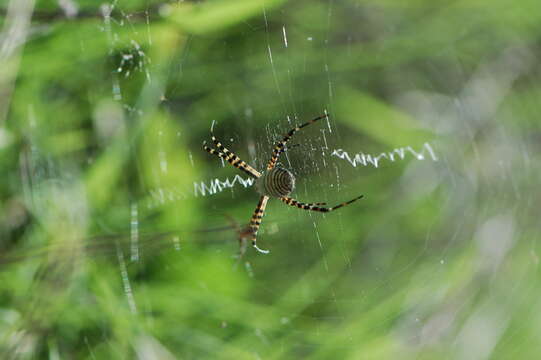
column 276, row 182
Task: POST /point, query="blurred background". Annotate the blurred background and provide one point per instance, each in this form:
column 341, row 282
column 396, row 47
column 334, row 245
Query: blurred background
column 117, row 231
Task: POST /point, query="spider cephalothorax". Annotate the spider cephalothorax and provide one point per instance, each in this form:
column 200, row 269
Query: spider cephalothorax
column 277, row 182
column 274, row 182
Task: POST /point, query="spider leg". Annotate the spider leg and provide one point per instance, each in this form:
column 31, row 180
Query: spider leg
column 314, row 206
column 255, row 222
column 284, row 149
column 231, row 158
column 234, row 160
column 279, row 147
column 212, row 151
column 242, row 233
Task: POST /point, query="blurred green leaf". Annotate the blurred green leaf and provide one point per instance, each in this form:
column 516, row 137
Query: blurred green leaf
column 217, row 15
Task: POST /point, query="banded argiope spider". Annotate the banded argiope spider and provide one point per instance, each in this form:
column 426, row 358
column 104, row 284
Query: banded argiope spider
column 274, row 182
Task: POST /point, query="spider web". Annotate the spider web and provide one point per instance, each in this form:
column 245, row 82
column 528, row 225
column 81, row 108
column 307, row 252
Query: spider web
column 420, row 267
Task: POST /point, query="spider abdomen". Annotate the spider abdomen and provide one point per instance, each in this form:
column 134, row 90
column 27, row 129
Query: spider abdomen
column 277, row 182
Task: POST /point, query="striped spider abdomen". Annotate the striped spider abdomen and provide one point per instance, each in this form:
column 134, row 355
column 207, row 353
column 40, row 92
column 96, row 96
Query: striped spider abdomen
column 277, row 182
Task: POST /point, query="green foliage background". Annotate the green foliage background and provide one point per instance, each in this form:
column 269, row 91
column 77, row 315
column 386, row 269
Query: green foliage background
column 440, row 260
